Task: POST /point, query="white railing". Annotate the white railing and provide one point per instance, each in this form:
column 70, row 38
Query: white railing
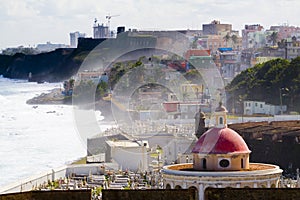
column 52, row 175
column 34, row 181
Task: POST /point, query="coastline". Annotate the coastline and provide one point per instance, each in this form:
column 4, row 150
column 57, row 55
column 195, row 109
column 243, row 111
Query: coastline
column 54, row 97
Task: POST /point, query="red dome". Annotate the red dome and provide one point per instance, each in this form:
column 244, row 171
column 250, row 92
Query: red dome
column 220, row 141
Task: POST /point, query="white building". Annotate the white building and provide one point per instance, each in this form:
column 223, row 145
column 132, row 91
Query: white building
column 230, row 64
column 172, row 145
column 253, row 36
column 220, row 160
column 260, row 107
column 74, row 38
column 101, row 31
column 49, row 47
column 132, row 155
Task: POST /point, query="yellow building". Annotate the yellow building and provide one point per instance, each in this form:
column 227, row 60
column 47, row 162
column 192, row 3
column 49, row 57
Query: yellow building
column 192, row 90
column 260, row 60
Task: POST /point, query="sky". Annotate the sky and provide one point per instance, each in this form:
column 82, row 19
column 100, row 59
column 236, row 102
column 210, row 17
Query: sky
column 32, row 22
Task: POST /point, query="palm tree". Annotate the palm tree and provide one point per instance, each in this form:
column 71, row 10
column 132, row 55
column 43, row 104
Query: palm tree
column 234, row 39
column 294, row 40
column 274, row 37
column 282, row 44
column 226, row 38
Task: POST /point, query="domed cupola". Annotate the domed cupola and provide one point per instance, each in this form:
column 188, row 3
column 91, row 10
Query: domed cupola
column 221, row 148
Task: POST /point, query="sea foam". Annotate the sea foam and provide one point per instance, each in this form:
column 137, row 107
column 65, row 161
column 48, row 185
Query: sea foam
column 34, row 139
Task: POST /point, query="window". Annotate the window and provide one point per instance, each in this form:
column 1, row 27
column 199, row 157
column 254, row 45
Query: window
column 255, row 104
column 178, row 187
column 224, row 163
column 204, row 163
column 221, row 120
column 242, row 163
column 261, row 105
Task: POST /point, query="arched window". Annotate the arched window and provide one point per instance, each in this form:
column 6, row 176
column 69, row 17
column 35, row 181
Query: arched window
column 178, row 187
column 168, row 186
column 204, row 163
column 242, row 163
column 263, row 186
column 195, row 191
column 221, row 120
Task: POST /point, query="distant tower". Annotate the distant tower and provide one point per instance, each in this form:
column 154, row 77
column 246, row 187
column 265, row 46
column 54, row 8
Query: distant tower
column 220, row 116
column 100, row 31
column 74, row 38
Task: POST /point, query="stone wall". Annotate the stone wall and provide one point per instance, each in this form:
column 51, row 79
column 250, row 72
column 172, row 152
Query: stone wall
column 158, row 194
column 251, row 193
column 49, row 195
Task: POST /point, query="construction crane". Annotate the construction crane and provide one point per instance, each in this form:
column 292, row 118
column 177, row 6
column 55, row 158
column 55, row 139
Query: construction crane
column 95, row 22
column 108, row 17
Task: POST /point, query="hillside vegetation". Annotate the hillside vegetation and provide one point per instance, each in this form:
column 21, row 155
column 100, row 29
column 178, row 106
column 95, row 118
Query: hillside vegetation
column 270, row 82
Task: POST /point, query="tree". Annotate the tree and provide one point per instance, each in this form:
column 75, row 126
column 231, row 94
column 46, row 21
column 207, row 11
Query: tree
column 274, row 37
column 282, row 44
column 294, row 40
column 227, row 38
column 264, row 81
column 234, row 39
column 102, row 89
column 194, row 43
column 71, row 83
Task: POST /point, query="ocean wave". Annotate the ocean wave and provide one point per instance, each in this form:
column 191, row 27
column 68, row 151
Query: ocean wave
column 31, row 138
column 4, row 100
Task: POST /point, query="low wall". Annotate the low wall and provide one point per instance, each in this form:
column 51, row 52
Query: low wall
column 33, row 181
column 84, row 169
column 54, row 174
column 155, row 194
column 268, row 119
column 49, row 195
column 251, row 193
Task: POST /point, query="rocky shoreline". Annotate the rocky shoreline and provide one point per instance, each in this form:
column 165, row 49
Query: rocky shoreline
column 53, row 97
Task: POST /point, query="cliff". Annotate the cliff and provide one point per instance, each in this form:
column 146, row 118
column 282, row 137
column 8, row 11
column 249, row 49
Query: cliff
column 54, row 66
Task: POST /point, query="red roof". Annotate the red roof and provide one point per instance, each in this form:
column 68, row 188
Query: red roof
column 197, row 52
column 220, row 141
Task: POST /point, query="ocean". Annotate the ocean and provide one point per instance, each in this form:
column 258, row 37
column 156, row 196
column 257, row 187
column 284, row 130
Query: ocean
column 34, row 138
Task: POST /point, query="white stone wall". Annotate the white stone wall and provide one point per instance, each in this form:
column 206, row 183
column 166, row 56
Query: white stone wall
column 132, row 158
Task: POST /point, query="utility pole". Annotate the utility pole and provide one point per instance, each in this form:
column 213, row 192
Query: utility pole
column 280, row 98
column 285, row 45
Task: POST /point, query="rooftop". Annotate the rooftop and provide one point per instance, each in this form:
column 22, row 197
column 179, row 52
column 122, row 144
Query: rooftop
column 186, row 169
column 123, row 143
column 220, row 141
column 189, row 167
column 256, row 130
